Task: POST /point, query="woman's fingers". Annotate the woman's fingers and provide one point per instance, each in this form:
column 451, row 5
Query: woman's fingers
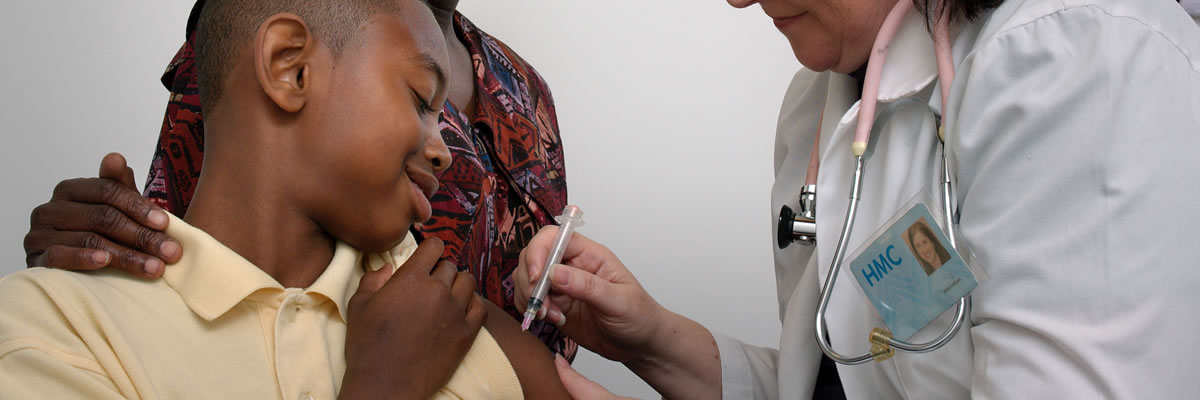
column 579, row 387
column 88, row 251
column 581, row 251
column 107, row 221
column 585, row 286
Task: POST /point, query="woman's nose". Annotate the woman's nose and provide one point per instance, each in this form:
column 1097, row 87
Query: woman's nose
column 742, row 3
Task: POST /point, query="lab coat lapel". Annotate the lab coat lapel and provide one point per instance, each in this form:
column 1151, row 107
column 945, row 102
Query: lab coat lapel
column 909, row 70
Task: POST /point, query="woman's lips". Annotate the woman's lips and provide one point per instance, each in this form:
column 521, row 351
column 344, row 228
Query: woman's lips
column 782, row 22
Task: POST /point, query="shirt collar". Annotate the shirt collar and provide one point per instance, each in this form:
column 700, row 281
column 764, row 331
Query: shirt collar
column 340, row 281
column 211, row 278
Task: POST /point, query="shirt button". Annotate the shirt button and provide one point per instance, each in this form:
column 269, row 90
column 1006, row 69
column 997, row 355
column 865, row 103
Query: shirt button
column 306, row 396
column 290, row 311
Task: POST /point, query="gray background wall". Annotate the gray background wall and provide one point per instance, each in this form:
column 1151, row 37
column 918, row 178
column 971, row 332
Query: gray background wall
column 667, row 110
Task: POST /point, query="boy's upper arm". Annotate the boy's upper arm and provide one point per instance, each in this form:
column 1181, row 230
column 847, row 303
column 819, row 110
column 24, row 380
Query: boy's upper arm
column 29, row 372
column 36, row 360
column 530, row 358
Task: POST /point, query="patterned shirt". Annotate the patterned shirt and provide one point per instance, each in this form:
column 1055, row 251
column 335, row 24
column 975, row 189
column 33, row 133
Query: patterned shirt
column 506, row 181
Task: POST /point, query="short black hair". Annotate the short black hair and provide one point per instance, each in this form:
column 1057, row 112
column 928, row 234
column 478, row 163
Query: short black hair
column 960, row 10
column 224, row 26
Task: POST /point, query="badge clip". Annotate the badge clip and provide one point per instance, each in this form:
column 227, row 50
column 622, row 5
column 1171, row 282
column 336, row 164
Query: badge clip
column 881, row 350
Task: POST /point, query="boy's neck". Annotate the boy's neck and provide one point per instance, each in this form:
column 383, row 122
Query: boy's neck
column 242, row 201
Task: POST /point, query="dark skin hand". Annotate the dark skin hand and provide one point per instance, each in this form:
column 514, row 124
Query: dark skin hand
column 408, row 332
column 92, row 223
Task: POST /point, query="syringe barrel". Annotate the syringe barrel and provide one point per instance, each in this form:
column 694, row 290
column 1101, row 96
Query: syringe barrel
column 571, row 218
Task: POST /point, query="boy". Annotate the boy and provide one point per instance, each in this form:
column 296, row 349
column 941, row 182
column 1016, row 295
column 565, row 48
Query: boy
column 303, row 139
column 506, row 180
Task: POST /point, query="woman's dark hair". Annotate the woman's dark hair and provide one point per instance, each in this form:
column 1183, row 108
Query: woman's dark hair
column 960, row 10
column 924, row 229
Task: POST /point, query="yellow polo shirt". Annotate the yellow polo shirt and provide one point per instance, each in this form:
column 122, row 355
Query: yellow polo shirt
column 215, row 327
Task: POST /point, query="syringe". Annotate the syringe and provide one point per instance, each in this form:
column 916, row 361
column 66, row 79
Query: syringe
column 571, row 218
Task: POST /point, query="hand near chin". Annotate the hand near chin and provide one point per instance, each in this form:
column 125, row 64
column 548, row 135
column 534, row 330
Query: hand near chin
column 408, row 332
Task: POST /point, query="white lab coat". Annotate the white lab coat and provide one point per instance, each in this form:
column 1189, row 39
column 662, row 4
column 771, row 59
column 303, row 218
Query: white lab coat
column 1073, row 130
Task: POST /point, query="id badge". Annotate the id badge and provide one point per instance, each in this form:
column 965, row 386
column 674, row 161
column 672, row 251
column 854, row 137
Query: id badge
column 910, row 272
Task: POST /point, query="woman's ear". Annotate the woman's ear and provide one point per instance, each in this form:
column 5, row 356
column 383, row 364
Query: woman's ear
column 283, row 52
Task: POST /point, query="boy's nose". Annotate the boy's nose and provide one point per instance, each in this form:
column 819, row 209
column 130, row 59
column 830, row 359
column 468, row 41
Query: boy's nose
column 436, row 151
column 742, row 3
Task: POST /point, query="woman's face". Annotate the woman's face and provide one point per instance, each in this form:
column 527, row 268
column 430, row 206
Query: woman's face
column 827, row 34
column 925, row 248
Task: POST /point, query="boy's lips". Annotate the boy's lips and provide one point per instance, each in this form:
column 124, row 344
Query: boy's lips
column 426, row 182
column 424, row 185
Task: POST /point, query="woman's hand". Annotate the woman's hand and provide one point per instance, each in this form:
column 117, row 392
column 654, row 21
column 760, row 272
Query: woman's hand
column 92, row 223
column 408, row 332
column 593, row 298
column 579, row 387
column 597, row 302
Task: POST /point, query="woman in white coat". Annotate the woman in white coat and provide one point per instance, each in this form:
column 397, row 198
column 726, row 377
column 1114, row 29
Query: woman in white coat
column 1072, row 131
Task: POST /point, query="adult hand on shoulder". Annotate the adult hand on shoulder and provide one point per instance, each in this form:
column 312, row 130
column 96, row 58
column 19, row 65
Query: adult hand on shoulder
column 408, row 332
column 594, row 299
column 92, row 223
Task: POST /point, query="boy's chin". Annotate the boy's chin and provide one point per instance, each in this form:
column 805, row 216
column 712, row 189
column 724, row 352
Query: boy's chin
column 381, row 241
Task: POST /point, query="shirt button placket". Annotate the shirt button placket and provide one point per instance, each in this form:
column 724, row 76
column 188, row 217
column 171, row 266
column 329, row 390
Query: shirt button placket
column 291, row 307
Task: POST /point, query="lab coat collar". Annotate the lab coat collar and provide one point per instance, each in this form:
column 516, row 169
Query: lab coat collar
column 910, row 65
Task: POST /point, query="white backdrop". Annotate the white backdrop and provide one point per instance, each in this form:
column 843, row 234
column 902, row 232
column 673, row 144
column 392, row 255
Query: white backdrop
column 667, row 110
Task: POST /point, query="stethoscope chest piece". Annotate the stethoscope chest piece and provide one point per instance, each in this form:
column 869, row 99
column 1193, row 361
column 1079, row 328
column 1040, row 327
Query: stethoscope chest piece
column 801, row 228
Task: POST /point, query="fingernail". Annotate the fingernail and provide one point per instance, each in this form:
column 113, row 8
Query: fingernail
column 558, row 318
column 169, row 249
column 561, row 276
column 100, row 257
column 157, row 218
column 152, row 266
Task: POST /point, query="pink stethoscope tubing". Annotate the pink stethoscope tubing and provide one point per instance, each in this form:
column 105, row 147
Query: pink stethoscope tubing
column 883, row 344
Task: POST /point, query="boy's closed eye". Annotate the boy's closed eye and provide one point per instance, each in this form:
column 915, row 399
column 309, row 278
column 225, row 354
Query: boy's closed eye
column 430, row 104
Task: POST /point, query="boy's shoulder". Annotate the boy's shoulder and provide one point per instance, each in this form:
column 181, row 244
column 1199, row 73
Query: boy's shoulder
column 29, row 286
column 62, row 306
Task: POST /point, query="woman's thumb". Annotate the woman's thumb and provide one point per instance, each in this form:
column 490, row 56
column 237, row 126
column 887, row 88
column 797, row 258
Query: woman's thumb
column 577, row 386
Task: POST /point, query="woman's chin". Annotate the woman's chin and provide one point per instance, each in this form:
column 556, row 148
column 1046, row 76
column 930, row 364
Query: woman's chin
column 814, row 60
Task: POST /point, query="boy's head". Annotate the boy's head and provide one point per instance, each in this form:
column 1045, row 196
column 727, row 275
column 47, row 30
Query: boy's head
column 338, row 99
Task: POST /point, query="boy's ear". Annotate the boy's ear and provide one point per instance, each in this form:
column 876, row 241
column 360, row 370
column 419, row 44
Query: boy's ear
column 283, row 52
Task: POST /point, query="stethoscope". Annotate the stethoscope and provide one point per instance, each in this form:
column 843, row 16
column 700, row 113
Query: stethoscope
column 802, row 227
